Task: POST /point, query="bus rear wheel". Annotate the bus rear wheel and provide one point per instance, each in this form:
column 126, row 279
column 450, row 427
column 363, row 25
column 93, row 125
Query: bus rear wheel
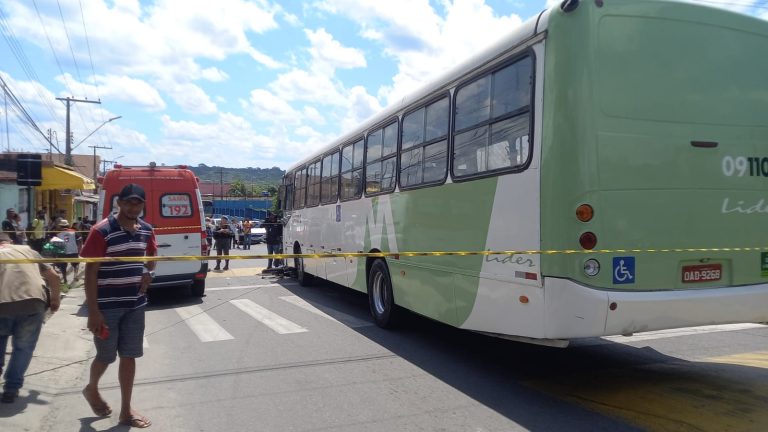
column 380, row 297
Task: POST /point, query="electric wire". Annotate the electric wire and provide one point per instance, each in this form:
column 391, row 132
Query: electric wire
column 58, row 63
column 26, row 65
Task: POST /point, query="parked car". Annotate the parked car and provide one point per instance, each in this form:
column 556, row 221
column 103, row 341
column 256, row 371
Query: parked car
column 258, row 235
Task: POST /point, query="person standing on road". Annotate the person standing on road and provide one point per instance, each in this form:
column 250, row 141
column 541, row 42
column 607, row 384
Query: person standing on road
column 9, row 226
column 274, row 237
column 247, row 234
column 115, row 294
column 37, row 236
column 72, row 244
column 23, row 301
column 223, row 236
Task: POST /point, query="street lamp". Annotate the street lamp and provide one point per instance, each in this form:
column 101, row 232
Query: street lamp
column 94, row 131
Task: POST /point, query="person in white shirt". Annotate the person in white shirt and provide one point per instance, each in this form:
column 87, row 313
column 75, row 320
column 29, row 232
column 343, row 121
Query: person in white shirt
column 72, row 244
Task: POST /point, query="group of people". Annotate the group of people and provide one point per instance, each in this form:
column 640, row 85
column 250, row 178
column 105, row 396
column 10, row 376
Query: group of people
column 115, row 296
column 225, row 233
column 54, row 237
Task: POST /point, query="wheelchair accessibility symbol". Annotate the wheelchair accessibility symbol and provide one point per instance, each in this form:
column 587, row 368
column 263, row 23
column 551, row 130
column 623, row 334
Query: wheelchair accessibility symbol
column 623, row 270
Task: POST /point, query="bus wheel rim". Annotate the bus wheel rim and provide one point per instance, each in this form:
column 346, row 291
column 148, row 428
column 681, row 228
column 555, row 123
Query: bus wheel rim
column 379, row 294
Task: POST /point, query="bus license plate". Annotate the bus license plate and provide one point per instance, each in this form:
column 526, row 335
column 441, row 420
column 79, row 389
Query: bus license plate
column 702, row 273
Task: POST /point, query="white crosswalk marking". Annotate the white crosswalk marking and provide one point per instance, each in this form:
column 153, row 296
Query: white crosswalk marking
column 341, row 317
column 206, row 329
column 146, row 343
column 268, row 318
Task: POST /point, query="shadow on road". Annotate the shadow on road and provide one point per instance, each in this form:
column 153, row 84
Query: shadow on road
column 529, row 384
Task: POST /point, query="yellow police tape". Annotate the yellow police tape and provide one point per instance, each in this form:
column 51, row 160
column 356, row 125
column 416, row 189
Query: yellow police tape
column 374, row 255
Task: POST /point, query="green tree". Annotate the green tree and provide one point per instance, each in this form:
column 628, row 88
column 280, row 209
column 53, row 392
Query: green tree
column 237, row 188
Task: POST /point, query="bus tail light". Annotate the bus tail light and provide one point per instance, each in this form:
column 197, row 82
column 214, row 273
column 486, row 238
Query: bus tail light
column 588, row 240
column 585, row 212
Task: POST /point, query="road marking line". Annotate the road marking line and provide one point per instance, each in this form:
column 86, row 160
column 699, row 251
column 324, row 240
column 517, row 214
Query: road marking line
column 343, row 318
column 206, row 329
column 146, row 343
column 267, row 317
column 662, row 334
column 754, row 359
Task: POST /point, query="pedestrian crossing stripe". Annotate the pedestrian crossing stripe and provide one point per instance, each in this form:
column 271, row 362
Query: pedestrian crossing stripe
column 343, row 318
column 206, row 329
column 267, row 317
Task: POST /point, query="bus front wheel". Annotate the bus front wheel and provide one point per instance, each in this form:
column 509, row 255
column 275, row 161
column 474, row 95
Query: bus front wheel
column 380, row 298
column 304, row 278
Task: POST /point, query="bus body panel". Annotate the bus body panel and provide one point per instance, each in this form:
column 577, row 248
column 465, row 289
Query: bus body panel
column 652, row 140
column 666, row 200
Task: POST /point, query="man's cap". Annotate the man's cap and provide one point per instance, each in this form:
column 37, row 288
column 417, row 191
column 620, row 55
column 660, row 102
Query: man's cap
column 132, row 190
column 63, row 222
column 224, row 217
column 10, row 210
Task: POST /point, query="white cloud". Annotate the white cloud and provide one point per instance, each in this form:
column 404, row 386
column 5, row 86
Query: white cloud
column 423, row 44
column 361, row 106
column 302, row 85
column 120, row 88
column 312, row 114
column 263, row 105
column 214, row 74
column 189, row 97
column 328, row 54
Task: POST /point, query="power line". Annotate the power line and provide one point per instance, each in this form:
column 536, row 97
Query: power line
column 24, row 116
column 93, row 69
column 26, row 65
column 58, row 63
column 69, row 41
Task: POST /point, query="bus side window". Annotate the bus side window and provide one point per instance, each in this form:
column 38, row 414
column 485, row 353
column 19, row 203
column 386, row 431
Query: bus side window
column 493, row 121
column 352, row 171
column 424, row 153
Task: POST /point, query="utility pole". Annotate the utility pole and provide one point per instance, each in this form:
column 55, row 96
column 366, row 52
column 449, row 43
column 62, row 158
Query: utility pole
column 95, row 165
column 221, row 182
column 68, row 152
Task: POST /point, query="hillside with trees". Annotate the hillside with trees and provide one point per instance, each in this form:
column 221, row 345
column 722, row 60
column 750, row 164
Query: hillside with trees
column 243, row 181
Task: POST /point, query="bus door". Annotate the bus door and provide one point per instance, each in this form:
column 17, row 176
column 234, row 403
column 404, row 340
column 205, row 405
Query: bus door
column 335, row 267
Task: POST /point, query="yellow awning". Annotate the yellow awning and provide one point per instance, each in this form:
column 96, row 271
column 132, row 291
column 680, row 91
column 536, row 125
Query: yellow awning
column 60, row 178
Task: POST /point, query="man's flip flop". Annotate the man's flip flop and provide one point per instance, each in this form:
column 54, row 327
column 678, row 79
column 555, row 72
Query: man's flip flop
column 98, row 409
column 140, row 422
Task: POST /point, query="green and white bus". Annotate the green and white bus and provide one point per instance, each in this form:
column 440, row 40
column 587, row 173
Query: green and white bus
column 625, row 130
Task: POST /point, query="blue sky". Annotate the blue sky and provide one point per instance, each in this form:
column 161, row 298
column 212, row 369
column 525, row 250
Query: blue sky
column 234, row 83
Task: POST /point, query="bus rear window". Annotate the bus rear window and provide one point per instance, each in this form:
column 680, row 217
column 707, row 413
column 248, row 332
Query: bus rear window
column 175, row 205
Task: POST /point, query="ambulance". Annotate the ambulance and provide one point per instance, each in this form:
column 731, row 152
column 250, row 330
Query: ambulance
column 174, row 208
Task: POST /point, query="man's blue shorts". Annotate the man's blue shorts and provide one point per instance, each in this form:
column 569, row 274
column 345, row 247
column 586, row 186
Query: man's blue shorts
column 126, row 335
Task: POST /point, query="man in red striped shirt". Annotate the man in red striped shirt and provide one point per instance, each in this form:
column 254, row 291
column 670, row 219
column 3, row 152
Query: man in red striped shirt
column 116, row 300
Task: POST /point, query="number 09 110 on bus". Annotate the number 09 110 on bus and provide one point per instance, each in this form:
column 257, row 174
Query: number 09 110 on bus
column 630, row 131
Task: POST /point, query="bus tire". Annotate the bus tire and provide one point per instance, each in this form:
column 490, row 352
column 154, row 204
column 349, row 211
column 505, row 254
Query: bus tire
column 304, row 278
column 380, row 298
column 198, row 288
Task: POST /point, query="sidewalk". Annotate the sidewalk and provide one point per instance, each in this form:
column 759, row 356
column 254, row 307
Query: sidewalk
column 62, row 354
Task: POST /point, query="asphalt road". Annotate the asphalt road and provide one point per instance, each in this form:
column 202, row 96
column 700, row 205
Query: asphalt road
column 264, row 354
